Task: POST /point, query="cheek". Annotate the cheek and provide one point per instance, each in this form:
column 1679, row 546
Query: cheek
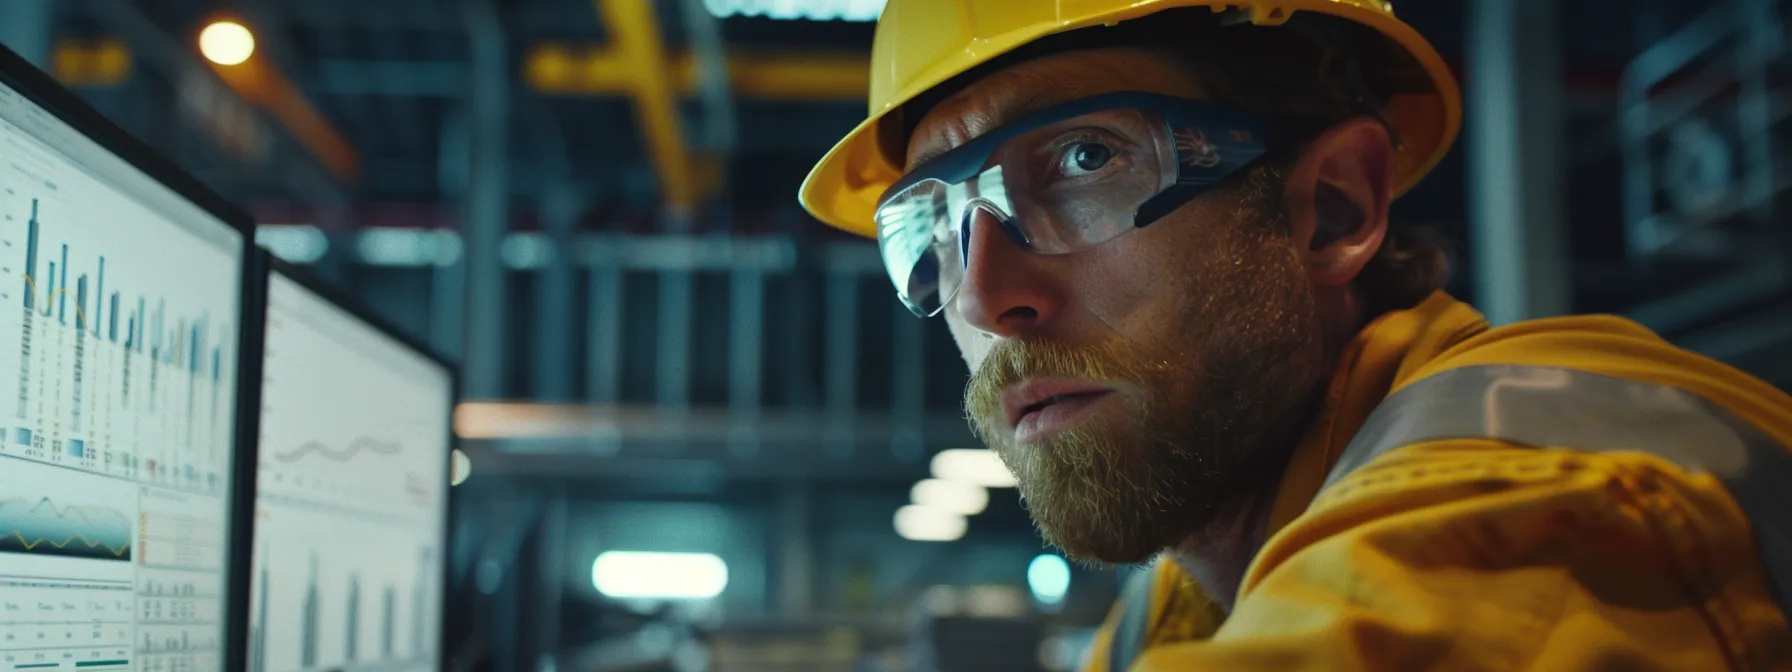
column 1137, row 282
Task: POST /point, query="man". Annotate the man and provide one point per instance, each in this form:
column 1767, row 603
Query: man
column 1158, row 232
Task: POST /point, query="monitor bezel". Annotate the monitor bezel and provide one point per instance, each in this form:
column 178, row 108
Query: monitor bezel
column 62, row 103
column 265, row 266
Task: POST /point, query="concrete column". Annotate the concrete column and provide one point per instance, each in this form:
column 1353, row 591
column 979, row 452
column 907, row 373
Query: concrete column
column 1514, row 132
column 796, row 551
column 746, row 366
column 909, row 350
column 841, row 385
column 553, row 379
column 487, row 202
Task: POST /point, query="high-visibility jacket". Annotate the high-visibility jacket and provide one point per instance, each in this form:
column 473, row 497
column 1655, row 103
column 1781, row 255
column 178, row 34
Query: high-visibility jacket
column 1562, row 494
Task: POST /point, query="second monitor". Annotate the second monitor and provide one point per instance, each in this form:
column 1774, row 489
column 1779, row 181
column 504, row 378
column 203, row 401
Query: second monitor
column 351, row 502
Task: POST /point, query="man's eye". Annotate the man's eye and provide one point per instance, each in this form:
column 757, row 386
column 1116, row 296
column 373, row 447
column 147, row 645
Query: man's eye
column 1084, row 158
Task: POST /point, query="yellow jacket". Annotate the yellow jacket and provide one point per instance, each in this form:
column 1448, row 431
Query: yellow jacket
column 1523, row 505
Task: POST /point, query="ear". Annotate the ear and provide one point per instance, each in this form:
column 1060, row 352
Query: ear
column 1337, row 195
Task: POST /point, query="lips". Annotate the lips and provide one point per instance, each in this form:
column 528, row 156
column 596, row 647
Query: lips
column 1051, row 402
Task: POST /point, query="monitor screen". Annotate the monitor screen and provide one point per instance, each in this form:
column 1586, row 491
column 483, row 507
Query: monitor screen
column 118, row 334
column 352, row 493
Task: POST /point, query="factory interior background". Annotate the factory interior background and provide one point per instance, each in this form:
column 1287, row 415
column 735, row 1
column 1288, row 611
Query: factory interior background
column 698, row 431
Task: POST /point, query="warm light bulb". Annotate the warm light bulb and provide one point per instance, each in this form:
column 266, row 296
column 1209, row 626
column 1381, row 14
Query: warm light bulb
column 226, row 43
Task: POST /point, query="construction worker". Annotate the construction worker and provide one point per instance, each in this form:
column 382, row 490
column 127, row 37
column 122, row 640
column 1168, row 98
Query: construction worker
column 1158, row 231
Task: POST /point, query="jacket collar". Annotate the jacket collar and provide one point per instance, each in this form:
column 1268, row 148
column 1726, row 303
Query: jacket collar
column 1385, row 353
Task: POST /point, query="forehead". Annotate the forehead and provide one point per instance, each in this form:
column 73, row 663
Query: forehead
column 1011, row 92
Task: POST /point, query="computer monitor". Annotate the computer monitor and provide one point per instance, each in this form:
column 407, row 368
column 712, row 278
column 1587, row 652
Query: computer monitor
column 121, row 281
column 351, row 506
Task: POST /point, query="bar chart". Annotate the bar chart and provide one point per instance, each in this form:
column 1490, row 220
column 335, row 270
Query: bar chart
column 111, row 382
column 351, row 494
column 118, row 303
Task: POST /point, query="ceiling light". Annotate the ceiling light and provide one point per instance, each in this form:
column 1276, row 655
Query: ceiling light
column 814, row 10
column 226, row 43
column 296, row 243
column 921, row 523
column 977, row 466
column 670, row 576
column 1049, row 577
column 967, row 499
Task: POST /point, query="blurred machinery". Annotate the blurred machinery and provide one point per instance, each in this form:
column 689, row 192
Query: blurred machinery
column 1705, row 141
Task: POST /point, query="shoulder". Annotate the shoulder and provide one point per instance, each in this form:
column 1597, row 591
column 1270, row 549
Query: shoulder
column 1616, row 348
column 1583, row 458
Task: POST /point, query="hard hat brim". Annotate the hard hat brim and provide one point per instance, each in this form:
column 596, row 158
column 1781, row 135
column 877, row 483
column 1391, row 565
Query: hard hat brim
column 843, row 188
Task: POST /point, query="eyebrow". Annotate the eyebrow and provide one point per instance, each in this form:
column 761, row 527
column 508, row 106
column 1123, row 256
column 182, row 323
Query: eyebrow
column 1007, row 110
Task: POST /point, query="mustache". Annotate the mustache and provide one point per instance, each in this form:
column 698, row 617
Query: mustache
column 1010, row 362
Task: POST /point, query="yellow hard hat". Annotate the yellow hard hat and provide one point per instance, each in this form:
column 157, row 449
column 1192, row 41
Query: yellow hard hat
column 923, row 43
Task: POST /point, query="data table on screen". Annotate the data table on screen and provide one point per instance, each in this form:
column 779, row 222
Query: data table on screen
column 351, row 494
column 118, row 304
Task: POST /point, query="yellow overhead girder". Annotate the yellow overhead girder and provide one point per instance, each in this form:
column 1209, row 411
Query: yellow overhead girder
column 263, row 85
column 635, row 64
column 643, row 73
column 560, row 69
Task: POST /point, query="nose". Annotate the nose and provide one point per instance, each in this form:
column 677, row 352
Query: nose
column 1007, row 290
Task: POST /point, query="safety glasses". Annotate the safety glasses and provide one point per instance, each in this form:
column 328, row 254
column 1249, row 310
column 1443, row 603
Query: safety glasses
column 1058, row 180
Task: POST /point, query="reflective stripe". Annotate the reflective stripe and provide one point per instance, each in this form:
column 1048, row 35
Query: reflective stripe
column 1563, row 408
column 1135, row 617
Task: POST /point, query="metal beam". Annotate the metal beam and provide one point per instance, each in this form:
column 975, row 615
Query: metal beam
column 561, row 69
column 359, row 77
column 1699, row 304
column 640, row 52
column 631, row 442
column 99, row 63
column 704, row 32
column 1515, row 132
column 709, row 424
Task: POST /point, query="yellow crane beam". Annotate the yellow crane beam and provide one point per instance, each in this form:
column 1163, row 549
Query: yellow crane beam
column 263, row 85
column 641, row 70
column 599, row 70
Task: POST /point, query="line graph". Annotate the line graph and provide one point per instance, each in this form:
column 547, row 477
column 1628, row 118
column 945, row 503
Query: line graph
column 349, row 489
column 43, row 527
column 355, row 447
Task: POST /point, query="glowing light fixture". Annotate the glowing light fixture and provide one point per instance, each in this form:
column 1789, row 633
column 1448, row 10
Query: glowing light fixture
column 1049, row 577
column 669, row 576
column 526, row 250
column 965, row 499
column 923, row 523
column 390, row 246
column 977, row 466
column 814, row 10
column 226, row 43
column 296, row 243
column 461, row 468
